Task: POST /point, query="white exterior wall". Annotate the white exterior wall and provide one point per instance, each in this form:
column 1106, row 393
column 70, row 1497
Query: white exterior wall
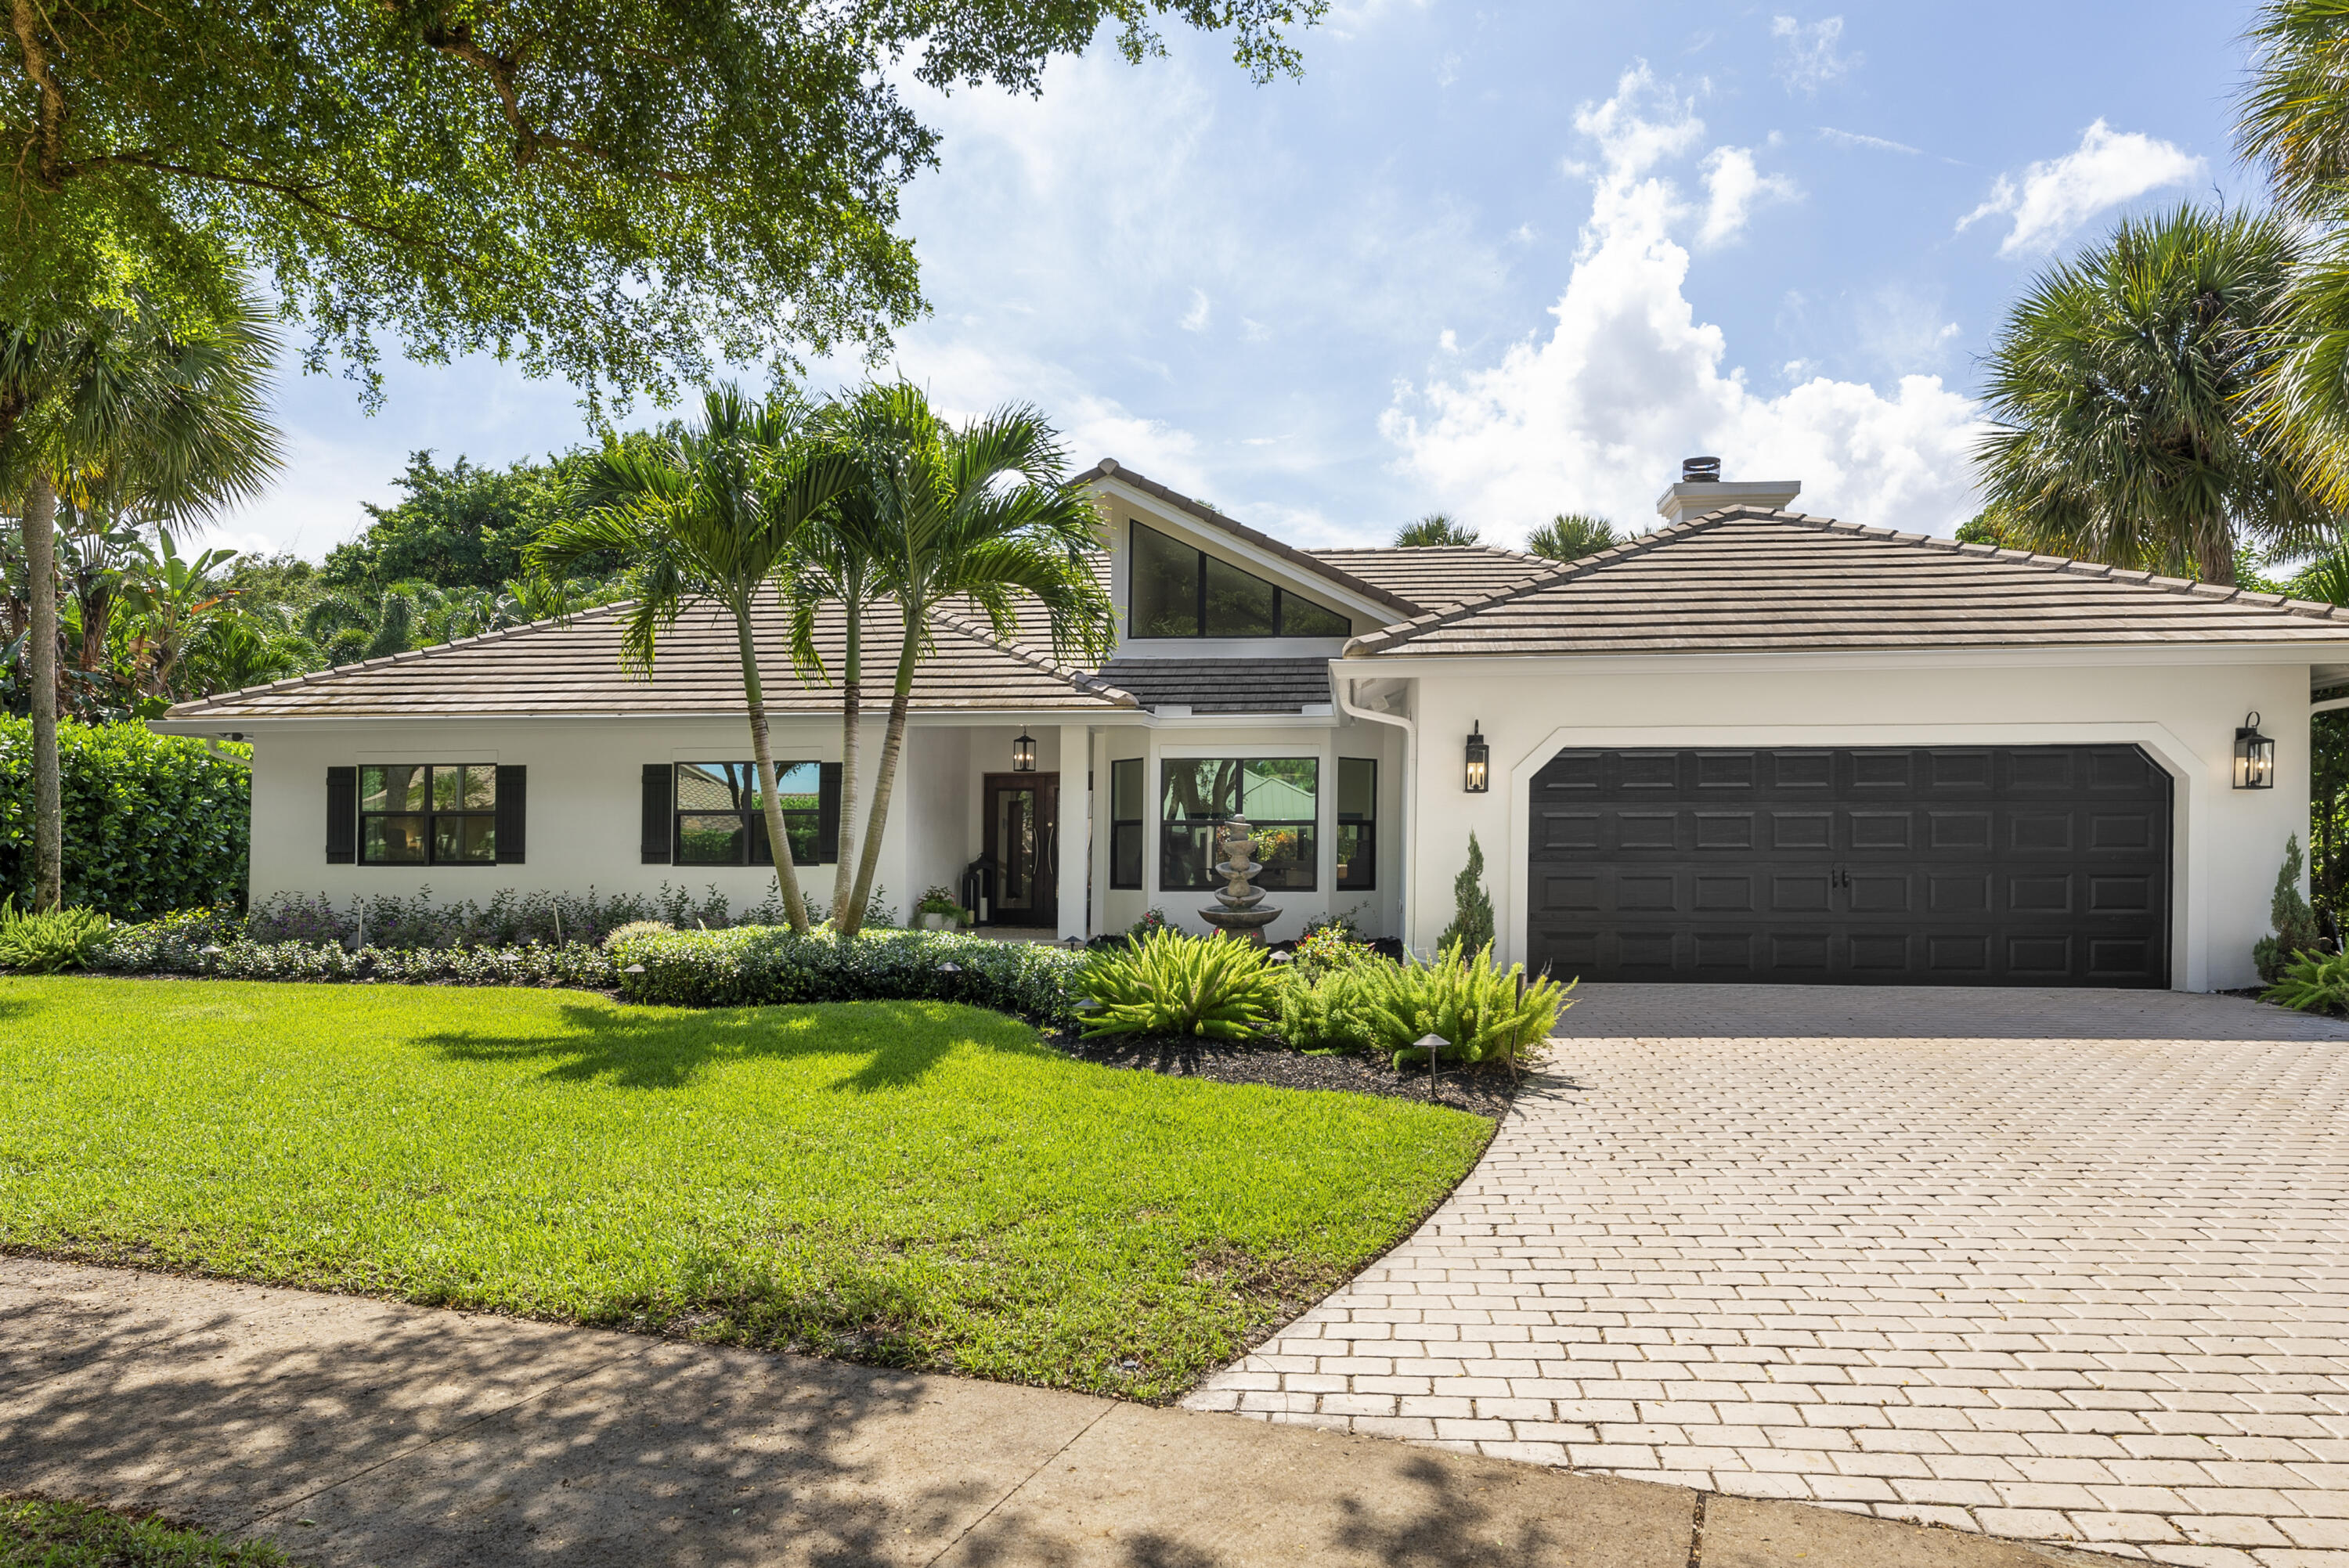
column 2228, row 842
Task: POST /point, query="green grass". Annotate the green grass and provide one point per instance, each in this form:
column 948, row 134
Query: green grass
column 913, row 1183
column 36, row 1533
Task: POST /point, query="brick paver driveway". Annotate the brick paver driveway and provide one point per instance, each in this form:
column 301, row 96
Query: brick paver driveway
column 2063, row 1266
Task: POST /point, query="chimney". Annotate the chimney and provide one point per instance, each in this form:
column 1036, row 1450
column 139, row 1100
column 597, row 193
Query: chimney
column 1701, row 491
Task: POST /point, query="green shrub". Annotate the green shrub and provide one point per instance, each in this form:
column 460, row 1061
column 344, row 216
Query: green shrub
column 636, row 928
column 1471, row 930
column 2314, row 982
column 1389, row 1008
column 45, row 943
column 1169, row 984
column 2296, row 931
column 153, row 823
column 752, row 966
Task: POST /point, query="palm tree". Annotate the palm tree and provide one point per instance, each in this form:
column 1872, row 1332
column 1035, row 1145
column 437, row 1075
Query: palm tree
column 1571, row 535
column 977, row 514
column 171, row 593
column 2294, row 120
column 1436, row 528
column 2122, row 389
column 128, row 410
column 840, row 563
column 715, row 514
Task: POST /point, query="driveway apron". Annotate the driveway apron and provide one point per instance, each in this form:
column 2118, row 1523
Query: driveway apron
column 2070, row 1266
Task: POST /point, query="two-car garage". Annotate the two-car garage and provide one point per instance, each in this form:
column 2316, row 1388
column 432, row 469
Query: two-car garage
column 2043, row 865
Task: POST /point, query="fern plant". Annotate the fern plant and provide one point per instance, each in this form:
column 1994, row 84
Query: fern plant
column 2314, row 982
column 1466, row 1002
column 1168, row 983
column 46, row 943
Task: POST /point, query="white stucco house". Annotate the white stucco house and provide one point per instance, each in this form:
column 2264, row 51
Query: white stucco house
column 1750, row 745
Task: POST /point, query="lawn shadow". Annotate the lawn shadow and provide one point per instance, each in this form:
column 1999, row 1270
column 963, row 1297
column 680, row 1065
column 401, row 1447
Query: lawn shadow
column 901, row 1042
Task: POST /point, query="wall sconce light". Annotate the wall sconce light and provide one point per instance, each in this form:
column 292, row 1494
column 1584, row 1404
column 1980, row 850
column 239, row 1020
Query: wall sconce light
column 1480, row 760
column 1023, row 753
column 2254, row 757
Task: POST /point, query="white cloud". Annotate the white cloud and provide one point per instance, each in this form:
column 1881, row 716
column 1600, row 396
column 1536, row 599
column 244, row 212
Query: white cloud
column 2056, row 195
column 1732, row 188
column 1599, row 414
column 1807, row 60
column 1196, row 318
column 1834, row 137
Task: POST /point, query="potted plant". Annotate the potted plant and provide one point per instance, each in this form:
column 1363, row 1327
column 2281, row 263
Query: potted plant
column 939, row 909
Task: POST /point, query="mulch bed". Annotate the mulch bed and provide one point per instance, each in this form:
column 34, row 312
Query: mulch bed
column 1484, row 1093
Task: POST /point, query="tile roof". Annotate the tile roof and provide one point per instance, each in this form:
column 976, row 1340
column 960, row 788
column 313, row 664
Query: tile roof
column 551, row 668
column 1741, row 580
column 1438, row 577
column 1223, row 685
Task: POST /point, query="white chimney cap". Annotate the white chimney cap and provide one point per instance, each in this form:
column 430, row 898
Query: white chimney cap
column 1689, row 499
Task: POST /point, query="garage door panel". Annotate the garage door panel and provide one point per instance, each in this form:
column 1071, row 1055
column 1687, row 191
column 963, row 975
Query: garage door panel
column 1958, row 865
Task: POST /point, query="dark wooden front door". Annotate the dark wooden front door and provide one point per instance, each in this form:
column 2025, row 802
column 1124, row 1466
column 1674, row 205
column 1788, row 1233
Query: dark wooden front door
column 2039, row 865
column 1024, row 818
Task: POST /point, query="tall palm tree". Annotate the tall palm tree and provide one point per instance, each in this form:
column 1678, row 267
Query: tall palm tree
column 129, row 409
column 2122, row 389
column 715, row 514
column 2293, row 119
column 1571, row 535
column 840, row 563
column 979, row 514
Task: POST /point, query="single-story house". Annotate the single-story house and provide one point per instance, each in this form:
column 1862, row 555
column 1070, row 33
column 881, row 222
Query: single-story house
column 1750, row 745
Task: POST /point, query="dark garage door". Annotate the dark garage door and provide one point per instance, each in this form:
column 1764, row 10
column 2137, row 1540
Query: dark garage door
column 2041, row 865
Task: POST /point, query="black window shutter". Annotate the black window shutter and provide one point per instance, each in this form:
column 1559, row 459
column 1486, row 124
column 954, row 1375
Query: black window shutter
column 827, row 814
column 342, row 816
column 660, row 782
column 514, row 810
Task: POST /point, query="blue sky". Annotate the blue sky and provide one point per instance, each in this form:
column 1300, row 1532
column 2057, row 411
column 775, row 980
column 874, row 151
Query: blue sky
column 1505, row 261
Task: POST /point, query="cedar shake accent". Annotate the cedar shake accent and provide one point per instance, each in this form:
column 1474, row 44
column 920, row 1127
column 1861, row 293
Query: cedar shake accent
column 1740, row 580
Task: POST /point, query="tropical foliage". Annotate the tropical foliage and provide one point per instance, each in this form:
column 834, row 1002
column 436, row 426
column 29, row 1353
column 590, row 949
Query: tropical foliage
column 1218, row 987
column 1435, row 528
column 1366, row 1003
column 1571, row 535
column 2312, row 983
column 46, row 941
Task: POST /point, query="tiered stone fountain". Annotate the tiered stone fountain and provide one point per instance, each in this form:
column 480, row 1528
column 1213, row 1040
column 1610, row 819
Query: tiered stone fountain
column 1243, row 911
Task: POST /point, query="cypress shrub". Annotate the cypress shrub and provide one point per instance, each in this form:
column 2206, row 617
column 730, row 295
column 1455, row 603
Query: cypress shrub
column 153, row 823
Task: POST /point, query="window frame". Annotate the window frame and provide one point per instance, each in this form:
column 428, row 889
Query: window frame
column 753, row 818
column 1309, row 829
column 1367, row 840
column 1138, row 826
column 1280, row 597
column 431, row 814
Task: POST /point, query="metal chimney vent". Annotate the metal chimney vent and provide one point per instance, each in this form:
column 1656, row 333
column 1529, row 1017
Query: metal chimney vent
column 1700, row 471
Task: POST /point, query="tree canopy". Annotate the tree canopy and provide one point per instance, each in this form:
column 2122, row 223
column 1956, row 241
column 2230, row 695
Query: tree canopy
column 611, row 191
column 464, row 526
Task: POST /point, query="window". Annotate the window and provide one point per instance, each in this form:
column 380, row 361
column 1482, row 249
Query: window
column 437, row 814
column 1278, row 795
column 1125, row 823
column 1179, row 591
column 1358, row 823
column 721, row 822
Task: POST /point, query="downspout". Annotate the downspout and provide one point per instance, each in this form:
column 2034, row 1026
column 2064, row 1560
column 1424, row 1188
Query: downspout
column 1342, row 687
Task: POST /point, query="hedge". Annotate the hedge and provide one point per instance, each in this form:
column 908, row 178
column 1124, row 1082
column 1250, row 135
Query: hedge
column 741, row 967
column 153, row 823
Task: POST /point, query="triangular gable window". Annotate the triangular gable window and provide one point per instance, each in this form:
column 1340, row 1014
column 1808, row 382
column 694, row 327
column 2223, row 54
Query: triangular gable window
column 1176, row 590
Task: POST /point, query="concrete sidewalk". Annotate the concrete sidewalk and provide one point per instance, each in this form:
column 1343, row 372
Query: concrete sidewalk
column 358, row 1432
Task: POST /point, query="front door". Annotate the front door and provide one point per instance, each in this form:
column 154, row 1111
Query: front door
column 1022, row 823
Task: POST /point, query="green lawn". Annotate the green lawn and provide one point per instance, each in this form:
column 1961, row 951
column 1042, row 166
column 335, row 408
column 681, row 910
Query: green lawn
column 37, row 1533
column 913, row 1182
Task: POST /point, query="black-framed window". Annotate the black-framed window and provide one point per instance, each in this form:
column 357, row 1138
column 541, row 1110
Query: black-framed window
column 1278, row 795
column 1128, row 808
column 1177, row 590
column 1358, row 823
column 721, row 822
column 428, row 814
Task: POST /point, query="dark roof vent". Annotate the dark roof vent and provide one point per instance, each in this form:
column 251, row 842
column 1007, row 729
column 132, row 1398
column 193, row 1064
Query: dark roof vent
column 1699, row 471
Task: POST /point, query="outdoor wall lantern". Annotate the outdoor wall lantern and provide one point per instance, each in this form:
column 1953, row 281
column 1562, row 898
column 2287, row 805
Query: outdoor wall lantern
column 1023, row 753
column 1480, row 760
column 2254, row 757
